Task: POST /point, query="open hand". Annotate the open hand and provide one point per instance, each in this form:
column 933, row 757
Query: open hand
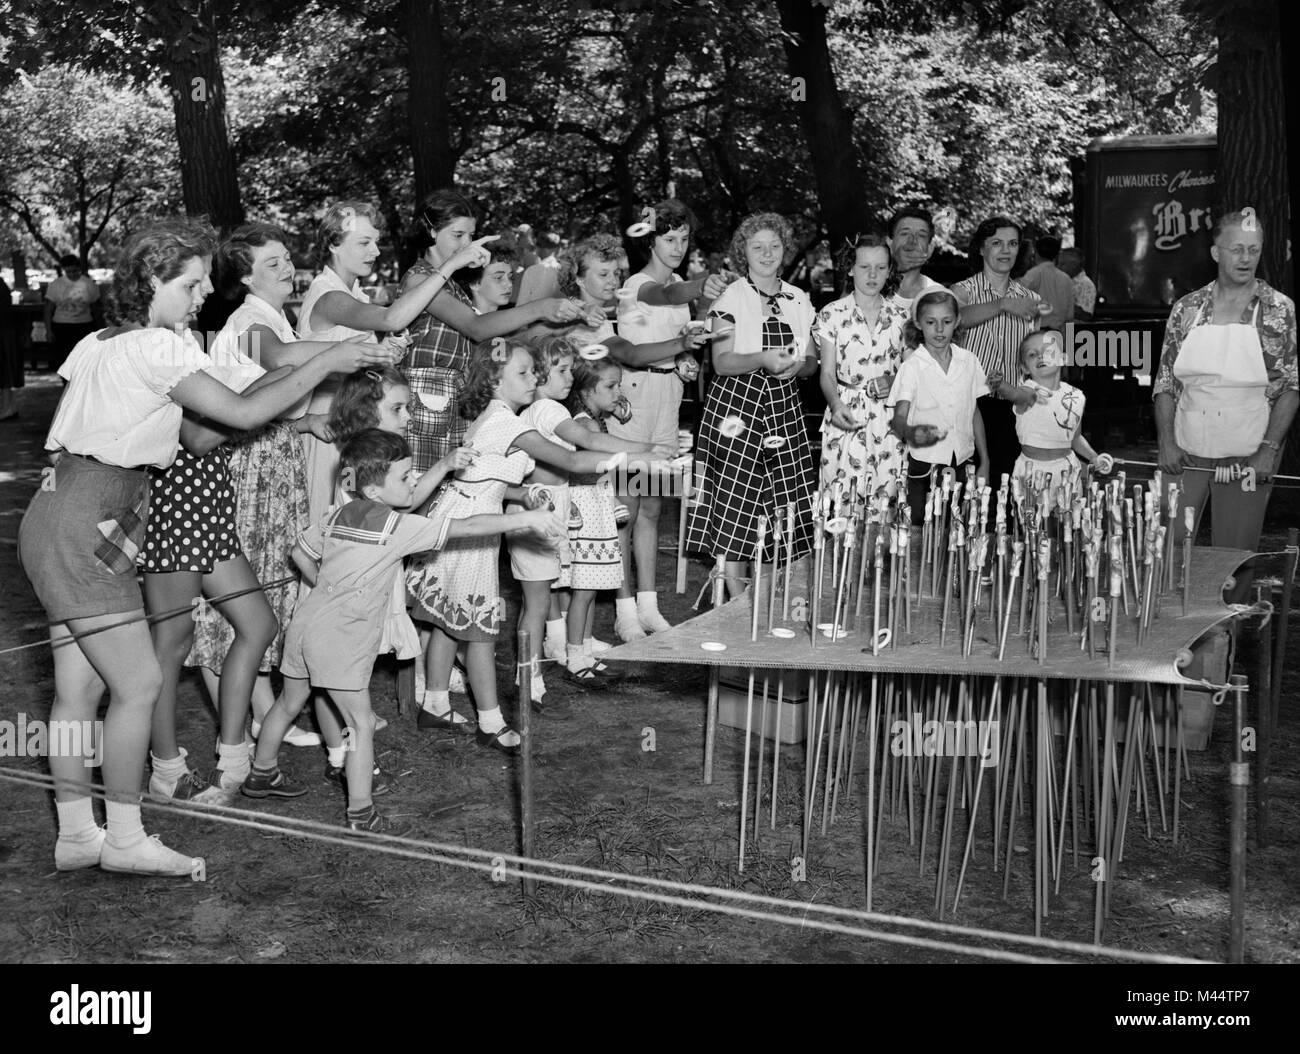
column 350, row 357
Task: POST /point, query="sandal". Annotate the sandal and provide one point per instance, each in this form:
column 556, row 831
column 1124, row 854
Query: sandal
column 492, row 740
column 587, row 679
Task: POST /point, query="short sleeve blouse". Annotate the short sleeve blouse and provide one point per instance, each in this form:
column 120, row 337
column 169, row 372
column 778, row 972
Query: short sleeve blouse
column 117, row 407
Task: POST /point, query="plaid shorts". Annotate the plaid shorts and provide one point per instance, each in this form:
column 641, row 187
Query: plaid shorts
column 80, row 537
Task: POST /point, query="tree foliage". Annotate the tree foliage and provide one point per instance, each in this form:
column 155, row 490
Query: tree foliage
column 83, row 156
column 572, row 116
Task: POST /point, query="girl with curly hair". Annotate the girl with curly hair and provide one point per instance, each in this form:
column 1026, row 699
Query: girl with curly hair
column 753, row 457
column 455, row 588
column 120, row 415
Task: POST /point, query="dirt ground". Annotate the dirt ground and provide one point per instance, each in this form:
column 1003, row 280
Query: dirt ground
column 602, row 801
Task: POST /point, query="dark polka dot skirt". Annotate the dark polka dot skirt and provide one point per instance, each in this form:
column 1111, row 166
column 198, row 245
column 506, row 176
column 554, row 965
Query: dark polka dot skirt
column 191, row 524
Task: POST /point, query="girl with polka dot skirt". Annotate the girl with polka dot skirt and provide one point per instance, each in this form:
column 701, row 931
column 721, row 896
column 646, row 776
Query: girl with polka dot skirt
column 192, row 551
column 267, row 468
column 455, row 589
column 119, row 416
column 753, row 457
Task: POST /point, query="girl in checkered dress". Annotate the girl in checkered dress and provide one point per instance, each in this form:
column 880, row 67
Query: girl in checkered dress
column 446, row 330
column 753, row 456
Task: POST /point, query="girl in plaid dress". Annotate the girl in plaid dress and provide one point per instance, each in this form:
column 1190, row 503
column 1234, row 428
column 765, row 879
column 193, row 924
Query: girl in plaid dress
column 753, row 454
column 443, row 334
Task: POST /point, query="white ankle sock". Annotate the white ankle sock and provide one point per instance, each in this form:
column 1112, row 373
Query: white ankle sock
column 579, row 658
column 336, row 755
column 490, row 721
column 169, row 769
column 555, row 633
column 625, row 608
column 647, row 602
column 76, row 820
column 124, row 826
column 586, row 647
column 233, row 762
column 437, row 703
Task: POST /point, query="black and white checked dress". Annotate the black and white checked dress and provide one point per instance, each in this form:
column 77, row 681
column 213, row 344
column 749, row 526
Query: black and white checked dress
column 738, row 478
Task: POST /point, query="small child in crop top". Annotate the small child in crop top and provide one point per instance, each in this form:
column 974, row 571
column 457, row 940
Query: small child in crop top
column 1049, row 428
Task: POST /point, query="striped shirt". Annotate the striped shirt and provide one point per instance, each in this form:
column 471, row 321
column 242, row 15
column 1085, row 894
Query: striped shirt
column 996, row 341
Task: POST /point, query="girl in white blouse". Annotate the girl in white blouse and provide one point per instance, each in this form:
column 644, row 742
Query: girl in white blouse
column 120, row 413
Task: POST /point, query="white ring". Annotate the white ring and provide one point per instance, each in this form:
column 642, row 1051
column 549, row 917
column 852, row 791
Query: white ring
column 774, row 442
column 783, row 633
column 592, row 352
column 712, row 645
column 639, row 230
column 837, row 525
column 732, row 427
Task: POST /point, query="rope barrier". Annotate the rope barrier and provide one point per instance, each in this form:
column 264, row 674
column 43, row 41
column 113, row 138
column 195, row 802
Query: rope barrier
column 572, row 876
column 142, row 617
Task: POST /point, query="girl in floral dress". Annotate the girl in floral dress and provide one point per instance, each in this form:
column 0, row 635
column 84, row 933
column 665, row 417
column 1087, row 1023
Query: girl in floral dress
column 455, row 589
column 860, row 337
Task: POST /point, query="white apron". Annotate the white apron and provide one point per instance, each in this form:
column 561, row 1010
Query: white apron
column 1223, row 411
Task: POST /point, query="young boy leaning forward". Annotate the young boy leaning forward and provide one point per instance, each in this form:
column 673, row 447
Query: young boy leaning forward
column 350, row 559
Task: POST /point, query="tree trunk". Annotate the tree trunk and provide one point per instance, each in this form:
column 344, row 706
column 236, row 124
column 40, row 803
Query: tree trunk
column 209, row 180
column 827, row 125
column 1252, row 127
column 1253, row 143
column 427, row 109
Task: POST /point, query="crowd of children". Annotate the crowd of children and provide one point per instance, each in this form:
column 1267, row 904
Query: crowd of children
column 389, row 448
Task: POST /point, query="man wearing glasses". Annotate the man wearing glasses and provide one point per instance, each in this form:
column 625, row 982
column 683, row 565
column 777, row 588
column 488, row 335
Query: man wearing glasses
column 1227, row 388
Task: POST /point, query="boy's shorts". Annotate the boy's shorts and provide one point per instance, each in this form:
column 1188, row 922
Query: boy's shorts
column 535, row 559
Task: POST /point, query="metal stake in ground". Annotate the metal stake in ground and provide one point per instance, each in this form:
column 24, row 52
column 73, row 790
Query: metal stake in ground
column 526, row 669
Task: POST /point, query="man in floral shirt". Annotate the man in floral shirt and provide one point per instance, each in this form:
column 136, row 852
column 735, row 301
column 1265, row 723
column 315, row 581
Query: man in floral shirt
column 1227, row 387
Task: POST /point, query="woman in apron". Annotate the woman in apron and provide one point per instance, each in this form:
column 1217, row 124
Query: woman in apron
column 1226, row 390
